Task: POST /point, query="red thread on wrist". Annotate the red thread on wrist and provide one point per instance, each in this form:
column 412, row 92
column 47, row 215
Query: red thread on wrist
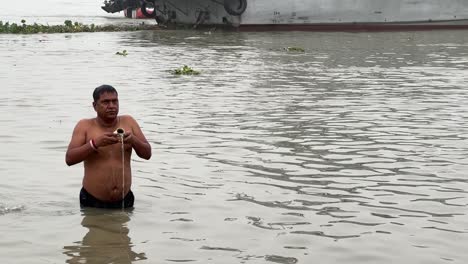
column 93, row 145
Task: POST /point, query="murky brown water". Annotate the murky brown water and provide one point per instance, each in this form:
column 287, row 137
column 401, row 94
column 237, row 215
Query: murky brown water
column 355, row 151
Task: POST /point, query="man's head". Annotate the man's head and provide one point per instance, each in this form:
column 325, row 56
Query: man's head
column 106, row 102
column 103, row 89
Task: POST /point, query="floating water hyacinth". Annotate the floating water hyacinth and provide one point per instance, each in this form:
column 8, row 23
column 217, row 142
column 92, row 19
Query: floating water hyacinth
column 67, row 27
column 185, row 70
column 122, row 53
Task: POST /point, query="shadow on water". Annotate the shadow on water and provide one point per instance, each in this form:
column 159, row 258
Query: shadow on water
column 106, row 241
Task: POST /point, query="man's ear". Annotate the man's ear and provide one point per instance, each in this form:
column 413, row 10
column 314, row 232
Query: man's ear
column 94, row 105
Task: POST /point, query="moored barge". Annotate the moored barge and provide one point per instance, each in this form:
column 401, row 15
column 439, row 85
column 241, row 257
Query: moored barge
column 315, row 15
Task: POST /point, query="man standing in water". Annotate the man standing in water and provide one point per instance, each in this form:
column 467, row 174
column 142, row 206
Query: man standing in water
column 107, row 176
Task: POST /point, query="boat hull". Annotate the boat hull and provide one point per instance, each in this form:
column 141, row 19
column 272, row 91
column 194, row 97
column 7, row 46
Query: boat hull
column 384, row 26
column 316, row 15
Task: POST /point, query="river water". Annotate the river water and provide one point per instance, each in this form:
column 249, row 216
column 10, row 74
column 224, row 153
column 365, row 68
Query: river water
column 355, row 151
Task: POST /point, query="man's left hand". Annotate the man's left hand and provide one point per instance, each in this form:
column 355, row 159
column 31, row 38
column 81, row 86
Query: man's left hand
column 128, row 138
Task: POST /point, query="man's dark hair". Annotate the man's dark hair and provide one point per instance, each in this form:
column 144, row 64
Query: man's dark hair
column 103, row 89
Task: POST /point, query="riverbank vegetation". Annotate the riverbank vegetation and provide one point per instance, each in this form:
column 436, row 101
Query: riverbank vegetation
column 67, row 27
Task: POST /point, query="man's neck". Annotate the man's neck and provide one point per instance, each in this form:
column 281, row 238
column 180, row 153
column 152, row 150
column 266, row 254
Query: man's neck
column 107, row 123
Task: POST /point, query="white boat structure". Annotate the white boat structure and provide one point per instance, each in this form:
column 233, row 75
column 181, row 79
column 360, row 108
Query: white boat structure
column 315, row 15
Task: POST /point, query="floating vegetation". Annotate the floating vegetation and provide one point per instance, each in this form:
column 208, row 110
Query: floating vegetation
column 122, row 53
column 67, row 27
column 294, row 49
column 186, row 70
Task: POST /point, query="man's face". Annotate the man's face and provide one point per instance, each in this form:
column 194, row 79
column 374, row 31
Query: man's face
column 107, row 107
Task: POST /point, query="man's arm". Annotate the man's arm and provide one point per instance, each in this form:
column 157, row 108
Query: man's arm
column 78, row 149
column 138, row 141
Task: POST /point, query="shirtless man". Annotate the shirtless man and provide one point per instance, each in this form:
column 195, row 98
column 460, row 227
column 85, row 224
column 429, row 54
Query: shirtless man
column 95, row 142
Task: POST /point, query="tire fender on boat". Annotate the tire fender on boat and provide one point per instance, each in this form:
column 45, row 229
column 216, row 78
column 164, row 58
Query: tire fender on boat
column 145, row 12
column 235, row 7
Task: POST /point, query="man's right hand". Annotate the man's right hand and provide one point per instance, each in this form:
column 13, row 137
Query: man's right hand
column 107, row 139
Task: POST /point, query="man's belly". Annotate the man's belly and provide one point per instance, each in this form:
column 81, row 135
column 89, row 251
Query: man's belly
column 107, row 187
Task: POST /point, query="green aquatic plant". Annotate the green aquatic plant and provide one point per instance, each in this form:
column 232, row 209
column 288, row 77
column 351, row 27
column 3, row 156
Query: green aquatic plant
column 67, row 27
column 185, row 70
column 294, row 49
column 122, row 53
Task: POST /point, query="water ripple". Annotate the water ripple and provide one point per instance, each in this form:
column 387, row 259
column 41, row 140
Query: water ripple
column 14, row 209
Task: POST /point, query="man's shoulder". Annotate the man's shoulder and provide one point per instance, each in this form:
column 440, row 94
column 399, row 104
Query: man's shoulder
column 86, row 122
column 127, row 118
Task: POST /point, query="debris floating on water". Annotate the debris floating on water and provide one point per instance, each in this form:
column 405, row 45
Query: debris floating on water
column 294, row 49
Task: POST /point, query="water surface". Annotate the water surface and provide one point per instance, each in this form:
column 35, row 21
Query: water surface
column 354, row 151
